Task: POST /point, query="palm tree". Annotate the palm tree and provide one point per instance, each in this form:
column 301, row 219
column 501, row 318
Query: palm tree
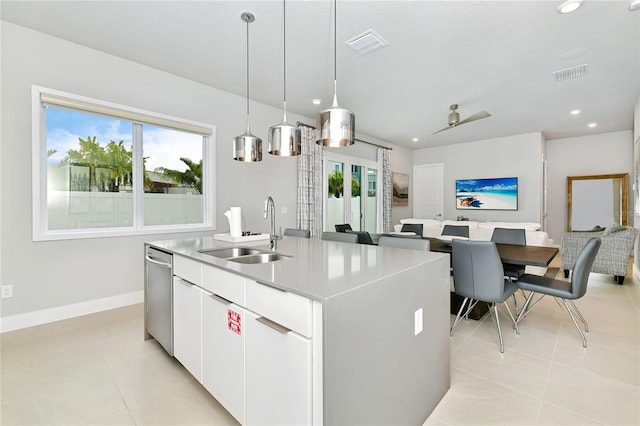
column 192, row 176
column 90, row 154
column 119, row 160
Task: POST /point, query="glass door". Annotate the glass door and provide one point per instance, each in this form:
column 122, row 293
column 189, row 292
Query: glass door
column 351, row 197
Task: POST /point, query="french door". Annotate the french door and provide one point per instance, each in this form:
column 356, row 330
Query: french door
column 351, row 193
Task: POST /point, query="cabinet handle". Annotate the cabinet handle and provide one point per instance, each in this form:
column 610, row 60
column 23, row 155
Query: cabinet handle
column 157, row 262
column 271, row 286
column 183, row 282
column 274, row 325
column 220, row 299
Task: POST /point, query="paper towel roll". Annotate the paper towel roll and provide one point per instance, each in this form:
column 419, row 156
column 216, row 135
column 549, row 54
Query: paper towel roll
column 235, row 222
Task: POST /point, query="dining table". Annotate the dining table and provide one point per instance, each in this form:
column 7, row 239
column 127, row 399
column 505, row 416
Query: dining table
column 509, row 253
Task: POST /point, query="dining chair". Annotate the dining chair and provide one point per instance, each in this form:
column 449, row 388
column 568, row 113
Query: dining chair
column 302, row 233
column 567, row 291
column 478, row 276
column 412, row 227
column 405, row 243
column 343, row 227
column 340, row 236
column 516, row 237
column 456, row 230
column 363, row 237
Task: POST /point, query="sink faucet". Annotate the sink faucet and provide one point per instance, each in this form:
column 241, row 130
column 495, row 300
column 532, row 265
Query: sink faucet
column 270, row 208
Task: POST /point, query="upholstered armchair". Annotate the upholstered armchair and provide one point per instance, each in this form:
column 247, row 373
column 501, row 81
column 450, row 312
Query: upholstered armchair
column 613, row 256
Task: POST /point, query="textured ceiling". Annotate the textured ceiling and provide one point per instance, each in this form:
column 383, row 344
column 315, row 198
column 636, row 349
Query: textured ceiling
column 494, row 56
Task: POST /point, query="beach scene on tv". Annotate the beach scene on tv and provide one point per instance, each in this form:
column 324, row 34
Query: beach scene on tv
column 487, row 194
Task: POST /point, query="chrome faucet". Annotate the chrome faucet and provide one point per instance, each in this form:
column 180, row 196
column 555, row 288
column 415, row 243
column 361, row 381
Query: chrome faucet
column 270, row 208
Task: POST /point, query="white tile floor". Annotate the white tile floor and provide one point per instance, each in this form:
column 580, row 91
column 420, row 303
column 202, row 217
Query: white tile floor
column 98, row 370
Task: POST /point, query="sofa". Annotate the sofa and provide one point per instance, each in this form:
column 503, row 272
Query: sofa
column 481, row 231
column 613, row 256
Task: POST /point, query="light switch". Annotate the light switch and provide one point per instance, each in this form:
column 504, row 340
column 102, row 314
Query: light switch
column 417, row 322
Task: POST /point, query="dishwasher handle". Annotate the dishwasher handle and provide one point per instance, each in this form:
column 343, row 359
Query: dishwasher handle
column 157, row 262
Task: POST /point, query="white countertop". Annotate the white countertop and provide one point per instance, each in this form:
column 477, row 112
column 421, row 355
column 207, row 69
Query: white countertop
column 318, row 269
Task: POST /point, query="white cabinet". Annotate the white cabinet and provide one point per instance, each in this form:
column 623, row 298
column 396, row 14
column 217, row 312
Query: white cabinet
column 187, row 325
column 278, row 374
column 223, row 335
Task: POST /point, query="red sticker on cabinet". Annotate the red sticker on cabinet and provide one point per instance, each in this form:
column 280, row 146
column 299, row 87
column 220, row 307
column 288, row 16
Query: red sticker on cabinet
column 234, row 321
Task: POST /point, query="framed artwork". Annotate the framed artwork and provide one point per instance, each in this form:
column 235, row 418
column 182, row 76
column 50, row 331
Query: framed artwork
column 487, row 194
column 400, row 184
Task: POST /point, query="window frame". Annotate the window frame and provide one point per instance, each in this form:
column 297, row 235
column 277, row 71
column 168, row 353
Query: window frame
column 40, row 231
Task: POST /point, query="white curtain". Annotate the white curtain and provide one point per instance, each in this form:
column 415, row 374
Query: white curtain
column 384, row 157
column 309, row 206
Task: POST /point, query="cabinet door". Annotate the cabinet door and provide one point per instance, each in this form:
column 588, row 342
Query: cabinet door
column 278, row 374
column 223, row 352
column 187, row 326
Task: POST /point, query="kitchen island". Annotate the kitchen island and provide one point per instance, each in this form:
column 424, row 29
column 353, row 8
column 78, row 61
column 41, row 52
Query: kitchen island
column 333, row 334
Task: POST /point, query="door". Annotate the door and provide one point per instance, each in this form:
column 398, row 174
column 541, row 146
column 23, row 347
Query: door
column 187, row 326
column 427, row 191
column 223, row 352
column 278, row 374
column 350, row 194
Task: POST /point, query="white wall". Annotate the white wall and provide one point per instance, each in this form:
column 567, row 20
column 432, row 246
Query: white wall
column 519, row 156
column 600, row 154
column 57, row 273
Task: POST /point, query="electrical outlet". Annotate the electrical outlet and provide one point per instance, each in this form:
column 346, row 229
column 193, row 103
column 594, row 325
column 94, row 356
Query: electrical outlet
column 6, row 291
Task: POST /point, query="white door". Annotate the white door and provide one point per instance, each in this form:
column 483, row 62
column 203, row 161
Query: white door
column 223, row 352
column 278, row 374
column 428, row 192
column 187, row 323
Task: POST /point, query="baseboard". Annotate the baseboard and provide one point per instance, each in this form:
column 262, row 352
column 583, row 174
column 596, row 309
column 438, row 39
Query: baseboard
column 44, row 316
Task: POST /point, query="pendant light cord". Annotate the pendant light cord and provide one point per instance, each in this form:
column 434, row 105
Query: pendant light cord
column 284, row 56
column 248, row 76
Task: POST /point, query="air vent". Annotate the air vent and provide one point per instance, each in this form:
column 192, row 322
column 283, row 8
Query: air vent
column 570, row 73
column 367, row 42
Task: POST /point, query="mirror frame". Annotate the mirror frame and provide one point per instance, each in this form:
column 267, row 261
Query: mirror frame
column 625, row 194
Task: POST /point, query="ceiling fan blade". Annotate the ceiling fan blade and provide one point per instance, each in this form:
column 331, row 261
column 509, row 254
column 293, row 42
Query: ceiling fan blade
column 477, row 116
column 442, row 130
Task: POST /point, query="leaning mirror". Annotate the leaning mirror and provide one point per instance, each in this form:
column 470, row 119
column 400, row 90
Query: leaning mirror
column 596, row 201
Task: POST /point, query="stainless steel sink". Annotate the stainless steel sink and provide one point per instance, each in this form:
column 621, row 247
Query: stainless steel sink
column 259, row 258
column 227, row 253
column 246, row 255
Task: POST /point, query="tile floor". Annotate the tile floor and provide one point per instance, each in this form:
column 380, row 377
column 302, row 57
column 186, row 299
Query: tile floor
column 98, row 370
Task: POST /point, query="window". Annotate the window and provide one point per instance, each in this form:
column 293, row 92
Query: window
column 103, row 170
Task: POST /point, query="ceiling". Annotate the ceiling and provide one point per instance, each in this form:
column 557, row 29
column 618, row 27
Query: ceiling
column 490, row 56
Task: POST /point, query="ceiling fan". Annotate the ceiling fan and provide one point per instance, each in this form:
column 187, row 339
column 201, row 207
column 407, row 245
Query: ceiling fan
column 454, row 118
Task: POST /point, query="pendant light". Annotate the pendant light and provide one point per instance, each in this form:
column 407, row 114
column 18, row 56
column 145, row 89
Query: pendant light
column 247, row 147
column 335, row 126
column 284, row 139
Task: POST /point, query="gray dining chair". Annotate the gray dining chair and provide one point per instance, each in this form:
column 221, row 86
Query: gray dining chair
column 566, row 291
column 340, row 236
column 412, row 227
column 456, row 230
column 342, row 227
column 516, row 237
column 405, row 243
column 293, row 232
column 478, row 276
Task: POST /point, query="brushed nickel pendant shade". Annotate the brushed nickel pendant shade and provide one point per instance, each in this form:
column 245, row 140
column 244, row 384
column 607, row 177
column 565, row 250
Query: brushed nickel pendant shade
column 335, row 125
column 247, row 147
column 284, row 138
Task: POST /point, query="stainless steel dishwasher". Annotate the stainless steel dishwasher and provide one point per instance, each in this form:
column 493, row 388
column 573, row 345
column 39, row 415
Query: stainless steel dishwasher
column 158, row 297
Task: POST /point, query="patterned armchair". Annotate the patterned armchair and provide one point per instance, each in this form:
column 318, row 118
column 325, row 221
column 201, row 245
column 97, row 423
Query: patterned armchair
column 613, row 256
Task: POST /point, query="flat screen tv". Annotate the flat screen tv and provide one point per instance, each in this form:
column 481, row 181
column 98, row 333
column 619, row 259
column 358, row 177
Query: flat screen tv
column 487, row 194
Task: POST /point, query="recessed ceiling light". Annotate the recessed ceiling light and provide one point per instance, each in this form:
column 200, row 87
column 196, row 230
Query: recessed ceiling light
column 575, row 112
column 414, row 139
column 634, row 4
column 592, row 125
column 316, row 101
column 569, row 6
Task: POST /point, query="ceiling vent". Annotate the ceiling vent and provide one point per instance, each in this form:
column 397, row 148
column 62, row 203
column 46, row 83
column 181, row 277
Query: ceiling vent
column 570, row 73
column 367, row 42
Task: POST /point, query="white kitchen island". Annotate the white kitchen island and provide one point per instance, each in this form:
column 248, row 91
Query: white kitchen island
column 335, row 334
